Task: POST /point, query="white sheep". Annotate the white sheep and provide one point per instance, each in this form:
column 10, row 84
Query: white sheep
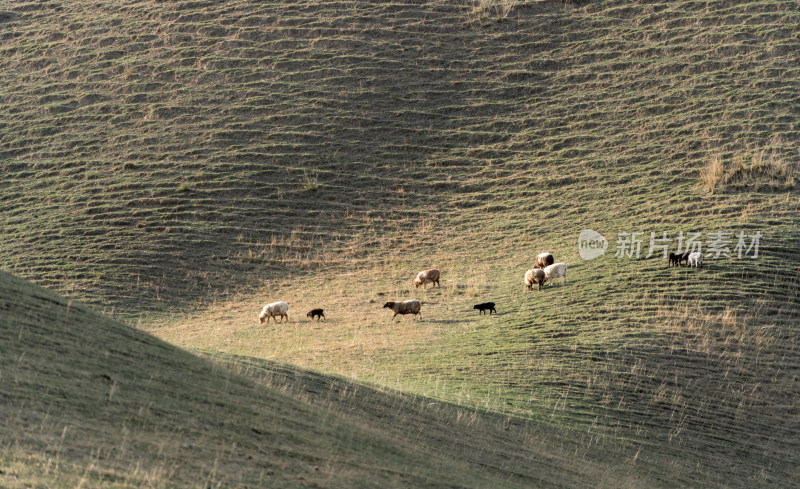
column 695, row 259
column 273, row 311
column 405, row 307
column 556, row 270
column 430, row 276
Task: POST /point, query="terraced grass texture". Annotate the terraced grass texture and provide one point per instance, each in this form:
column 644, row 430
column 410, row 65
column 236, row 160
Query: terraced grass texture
column 90, row 402
column 160, row 156
column 155, row 154
column 692, row 371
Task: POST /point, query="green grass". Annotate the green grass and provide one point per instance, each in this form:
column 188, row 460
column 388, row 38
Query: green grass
column 690, row 366
column 154, row 151
column 179, row 165
column 90, row 402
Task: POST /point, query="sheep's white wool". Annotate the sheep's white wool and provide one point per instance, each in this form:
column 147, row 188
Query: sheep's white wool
column 412, row 306
column 274, row 309
column 556, row 270
column 427, row 277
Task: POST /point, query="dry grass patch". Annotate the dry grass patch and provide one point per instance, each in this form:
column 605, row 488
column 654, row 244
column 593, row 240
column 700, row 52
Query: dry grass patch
column 482, row 11
column 713, row 174
column 766, row 169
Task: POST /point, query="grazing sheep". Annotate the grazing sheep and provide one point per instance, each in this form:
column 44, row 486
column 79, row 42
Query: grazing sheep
column 674, row 259
column 427, row 277
column 695, row 259
column 273, row 310
column 677, row 258
column 406, row 307
column 556, row 270
column 544, row 260
column 534, row 276
column 316, row 312
column 484, row 306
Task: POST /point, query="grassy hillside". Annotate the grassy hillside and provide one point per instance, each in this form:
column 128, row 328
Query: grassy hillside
column 695, row 368
column 155, row 153
column 90, row 402
column 181, row 164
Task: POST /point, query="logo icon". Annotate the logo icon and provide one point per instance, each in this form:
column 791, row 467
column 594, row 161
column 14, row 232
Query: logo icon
column 591, row 244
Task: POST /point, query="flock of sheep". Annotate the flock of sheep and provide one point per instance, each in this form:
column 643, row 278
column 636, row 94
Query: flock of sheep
column 545, row 270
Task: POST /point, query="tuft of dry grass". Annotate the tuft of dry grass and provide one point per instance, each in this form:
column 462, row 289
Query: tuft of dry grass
column 765, row 169
column 713, row 174
column 482, row 11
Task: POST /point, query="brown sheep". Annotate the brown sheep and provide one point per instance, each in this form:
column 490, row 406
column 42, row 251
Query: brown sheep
column 427, row 277
column 406, row 307
column 534, row 276
column 543, row 260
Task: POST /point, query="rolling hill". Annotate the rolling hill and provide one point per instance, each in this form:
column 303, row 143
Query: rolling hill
column 156, row 153
column 177, row 165
column 91, row 402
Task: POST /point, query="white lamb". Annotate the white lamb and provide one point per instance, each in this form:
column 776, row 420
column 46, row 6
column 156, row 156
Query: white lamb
column 556, row 270
column 273, row 311
column 695, row 259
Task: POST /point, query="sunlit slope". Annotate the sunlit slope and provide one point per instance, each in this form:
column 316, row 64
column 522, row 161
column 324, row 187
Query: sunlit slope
column 158, row 153
column 691, row 369
column 89, row 402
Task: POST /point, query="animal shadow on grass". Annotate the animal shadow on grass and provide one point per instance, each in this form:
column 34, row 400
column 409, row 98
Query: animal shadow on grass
column 444, row 321
column 494, row 314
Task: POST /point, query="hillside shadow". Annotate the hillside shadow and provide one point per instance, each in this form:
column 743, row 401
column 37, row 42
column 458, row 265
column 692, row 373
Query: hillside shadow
column 309, row 155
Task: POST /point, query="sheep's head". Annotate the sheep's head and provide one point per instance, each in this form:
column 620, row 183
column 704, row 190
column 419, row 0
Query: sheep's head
column 389, row 305
column 261, row 319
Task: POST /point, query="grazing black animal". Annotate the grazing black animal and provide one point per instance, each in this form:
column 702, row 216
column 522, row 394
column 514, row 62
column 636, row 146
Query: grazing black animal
column 485, row 306
column 677, row 258
column 316, row 312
